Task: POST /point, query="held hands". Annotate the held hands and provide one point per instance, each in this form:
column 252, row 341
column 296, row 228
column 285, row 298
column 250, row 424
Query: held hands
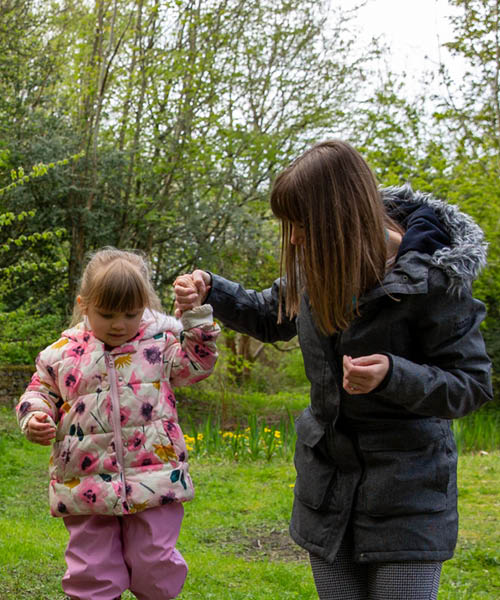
column 40, row 430
column 190, row 290
column 365, row 373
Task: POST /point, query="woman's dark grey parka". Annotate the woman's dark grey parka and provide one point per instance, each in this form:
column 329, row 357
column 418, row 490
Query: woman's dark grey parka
column 385, row 462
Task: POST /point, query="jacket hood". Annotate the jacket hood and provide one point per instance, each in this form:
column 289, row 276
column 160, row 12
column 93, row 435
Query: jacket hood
column 453, row 241
column 155, row 322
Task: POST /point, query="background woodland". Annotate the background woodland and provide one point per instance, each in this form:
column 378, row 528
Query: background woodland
column 159, row 125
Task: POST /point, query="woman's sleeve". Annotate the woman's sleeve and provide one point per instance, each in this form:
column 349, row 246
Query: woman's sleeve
column 250, row 312
column 41, row 396
column 454, row 377
column 194, row 357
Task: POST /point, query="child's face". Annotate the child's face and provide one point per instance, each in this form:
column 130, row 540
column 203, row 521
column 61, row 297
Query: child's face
column 114, row 328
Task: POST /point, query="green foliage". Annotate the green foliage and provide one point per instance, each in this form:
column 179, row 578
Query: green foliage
column 256, row 441
column 469, row 117
column 185, row 111
column 235, row 532
column 30, row 256
column 479, row 431
column 19, row 177
column 24, row 333
column 232, row 408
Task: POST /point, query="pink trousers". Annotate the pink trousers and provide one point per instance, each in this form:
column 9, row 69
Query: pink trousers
column 107, row 555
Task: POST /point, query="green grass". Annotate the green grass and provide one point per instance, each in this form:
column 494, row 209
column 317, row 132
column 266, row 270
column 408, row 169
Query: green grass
column 474, row 572
column 232, row 407
column 479, row 430
column 234, row 535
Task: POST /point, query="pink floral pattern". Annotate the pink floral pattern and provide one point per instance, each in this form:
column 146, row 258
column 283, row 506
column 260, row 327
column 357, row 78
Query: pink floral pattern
column 147, row 460
column 74, row 385
column 137, row 441
column 91, row 496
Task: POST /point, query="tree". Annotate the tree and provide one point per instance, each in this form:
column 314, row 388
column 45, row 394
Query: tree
column 185, row 110
column 470, row 115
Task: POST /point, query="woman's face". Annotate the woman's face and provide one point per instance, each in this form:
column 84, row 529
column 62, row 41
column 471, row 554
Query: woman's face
column 298, row 234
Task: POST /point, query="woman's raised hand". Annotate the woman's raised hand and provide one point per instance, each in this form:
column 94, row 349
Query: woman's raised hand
column 191, row 290
column 363, row 374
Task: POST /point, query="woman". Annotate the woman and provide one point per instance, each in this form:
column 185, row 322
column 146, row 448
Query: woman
column 378, row 289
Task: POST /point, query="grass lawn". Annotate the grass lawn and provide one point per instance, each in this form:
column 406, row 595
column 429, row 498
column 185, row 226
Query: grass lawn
column 234, row 535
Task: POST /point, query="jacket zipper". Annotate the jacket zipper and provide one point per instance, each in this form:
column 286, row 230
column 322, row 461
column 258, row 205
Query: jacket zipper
column 116, row 420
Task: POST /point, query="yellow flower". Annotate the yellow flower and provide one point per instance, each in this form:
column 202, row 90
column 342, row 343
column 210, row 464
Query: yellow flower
column 165, row 452
column 72, row 483
column 59, row 344
column 138, row 507
column 123, row 361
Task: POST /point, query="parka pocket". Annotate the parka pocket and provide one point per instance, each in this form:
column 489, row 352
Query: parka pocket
column 316, row 473
column 77, row 456
column 55, row 468
column 407, row 469
column 62, row 453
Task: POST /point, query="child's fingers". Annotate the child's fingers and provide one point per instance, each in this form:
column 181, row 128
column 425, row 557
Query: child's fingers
column 42, row 441
column 40, row 427
column 42, row 436
column 40, row 422
column 186, row 303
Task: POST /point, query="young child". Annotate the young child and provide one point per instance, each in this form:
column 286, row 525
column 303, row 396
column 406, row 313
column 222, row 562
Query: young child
column 118, row 469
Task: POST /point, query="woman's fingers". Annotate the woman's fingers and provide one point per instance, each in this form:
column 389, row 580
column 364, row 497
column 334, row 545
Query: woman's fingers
column 365, row 373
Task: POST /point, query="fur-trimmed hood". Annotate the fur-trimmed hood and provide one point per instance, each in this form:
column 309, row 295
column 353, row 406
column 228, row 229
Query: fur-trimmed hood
column 453, row 241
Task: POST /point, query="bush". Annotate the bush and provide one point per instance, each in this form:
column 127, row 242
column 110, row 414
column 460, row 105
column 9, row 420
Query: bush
column 23, row 335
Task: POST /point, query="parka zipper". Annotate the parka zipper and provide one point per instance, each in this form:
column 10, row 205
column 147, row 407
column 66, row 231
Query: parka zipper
column 116, row 420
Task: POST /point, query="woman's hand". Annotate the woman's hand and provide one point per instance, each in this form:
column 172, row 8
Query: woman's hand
column 365, row 373
column 191, row 290
column 40, row 429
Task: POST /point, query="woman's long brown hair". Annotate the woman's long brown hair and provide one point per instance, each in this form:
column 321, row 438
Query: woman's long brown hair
column 331, row 192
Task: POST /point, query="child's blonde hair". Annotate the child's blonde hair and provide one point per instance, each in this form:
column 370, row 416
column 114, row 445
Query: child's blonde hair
column 115, row 281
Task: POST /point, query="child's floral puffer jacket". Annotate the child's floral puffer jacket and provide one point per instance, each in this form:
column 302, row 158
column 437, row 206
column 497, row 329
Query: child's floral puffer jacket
column 119, row 448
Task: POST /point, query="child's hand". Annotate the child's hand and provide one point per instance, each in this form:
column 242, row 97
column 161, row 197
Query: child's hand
column 365, row 373
column 190, row 291
column 40, row 430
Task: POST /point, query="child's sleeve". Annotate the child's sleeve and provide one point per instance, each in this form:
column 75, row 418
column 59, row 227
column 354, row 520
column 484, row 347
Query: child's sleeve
column 42, row 395
column 193, row 357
